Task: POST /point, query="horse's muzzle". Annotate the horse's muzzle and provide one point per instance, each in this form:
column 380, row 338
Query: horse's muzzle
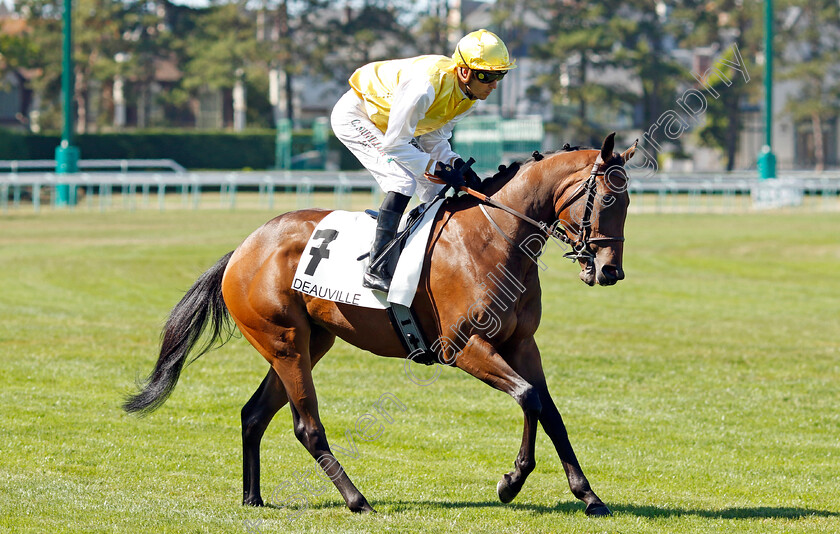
column 604, row 275
column 609, row 275
column 604, row 268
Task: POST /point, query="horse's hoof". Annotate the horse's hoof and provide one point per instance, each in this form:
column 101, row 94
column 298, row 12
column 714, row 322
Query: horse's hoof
column 597, row 509
column 505, row 491
column 361, row 507
column 366, row 509
column 253, row 502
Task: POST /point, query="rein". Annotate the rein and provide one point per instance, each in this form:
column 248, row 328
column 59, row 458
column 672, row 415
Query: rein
column 580, row 248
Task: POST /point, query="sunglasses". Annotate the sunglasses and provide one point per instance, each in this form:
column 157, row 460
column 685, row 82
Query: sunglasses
column 484, row 76
column 489, row 76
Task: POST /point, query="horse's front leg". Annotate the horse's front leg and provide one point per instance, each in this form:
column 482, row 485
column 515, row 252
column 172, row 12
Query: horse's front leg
column 482, row 361
column 552, row 423
column 527, row 362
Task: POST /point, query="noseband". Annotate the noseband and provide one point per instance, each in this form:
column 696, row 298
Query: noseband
column 580, row 247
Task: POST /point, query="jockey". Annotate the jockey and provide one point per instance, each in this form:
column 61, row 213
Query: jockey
column 398, row 117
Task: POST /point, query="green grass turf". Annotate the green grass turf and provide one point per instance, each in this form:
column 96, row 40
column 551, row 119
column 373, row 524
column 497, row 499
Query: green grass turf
column 701, row 394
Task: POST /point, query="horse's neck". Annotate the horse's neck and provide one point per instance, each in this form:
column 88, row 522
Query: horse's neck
column 535, row 189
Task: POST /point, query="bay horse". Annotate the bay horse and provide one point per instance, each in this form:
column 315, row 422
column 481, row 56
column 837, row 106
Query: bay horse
column 293, row 331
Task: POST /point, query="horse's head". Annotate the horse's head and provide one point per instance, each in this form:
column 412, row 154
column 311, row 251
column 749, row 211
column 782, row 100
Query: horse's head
column 592, row 207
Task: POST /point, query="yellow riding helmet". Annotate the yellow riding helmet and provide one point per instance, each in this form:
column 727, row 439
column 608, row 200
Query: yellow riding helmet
column 482, row 50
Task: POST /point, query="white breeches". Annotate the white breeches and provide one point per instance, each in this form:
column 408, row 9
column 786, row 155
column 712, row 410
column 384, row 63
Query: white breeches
column 353, row 127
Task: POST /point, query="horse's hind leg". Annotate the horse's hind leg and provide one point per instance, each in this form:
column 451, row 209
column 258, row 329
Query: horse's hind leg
column 287, row 349
column 297, row 378
column 256, row 415
column 258, row 412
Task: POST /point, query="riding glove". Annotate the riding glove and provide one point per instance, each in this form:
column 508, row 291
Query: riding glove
column 448, row 174
column 471, row 178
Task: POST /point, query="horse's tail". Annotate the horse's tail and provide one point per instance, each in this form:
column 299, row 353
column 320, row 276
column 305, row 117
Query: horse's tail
column 183, row 329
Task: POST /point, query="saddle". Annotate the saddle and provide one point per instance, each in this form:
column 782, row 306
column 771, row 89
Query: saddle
column 402, row 318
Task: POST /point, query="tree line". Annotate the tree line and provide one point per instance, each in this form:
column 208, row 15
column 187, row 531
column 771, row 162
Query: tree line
column 573, row 42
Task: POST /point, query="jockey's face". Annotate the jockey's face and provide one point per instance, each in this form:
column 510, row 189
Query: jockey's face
column 471, row 86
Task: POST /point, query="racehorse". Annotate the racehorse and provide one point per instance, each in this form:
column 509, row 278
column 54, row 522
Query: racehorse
column 579, row 197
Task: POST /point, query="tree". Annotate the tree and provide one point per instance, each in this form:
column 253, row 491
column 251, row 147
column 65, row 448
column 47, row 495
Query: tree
column 580, row 37
column 719, row 26
column 315, row 39
column 16, row 51
column 371, row 33
column 101, row 30
column 723, row 122
column 43, row 20
column 813, row 58
column 324, row 43
column 585, row 40
column 148, row 39
column 223, row 46
column 98, row 29
column 645, row 29
column 435, row 26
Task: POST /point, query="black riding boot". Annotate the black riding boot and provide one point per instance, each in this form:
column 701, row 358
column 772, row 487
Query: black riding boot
column 379, row 276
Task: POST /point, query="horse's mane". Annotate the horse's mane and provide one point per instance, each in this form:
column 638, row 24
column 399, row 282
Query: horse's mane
column 506, row 172
column 493, row 184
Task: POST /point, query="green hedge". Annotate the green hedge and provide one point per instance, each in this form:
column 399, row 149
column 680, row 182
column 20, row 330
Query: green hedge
column 13, row 146
column 193, row 150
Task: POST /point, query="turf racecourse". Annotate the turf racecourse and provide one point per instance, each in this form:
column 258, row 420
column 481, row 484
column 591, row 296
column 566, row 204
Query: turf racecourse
column 702, row 394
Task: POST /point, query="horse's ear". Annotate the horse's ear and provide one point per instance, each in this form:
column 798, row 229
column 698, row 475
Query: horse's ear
column 627, row 154
column 607, row 148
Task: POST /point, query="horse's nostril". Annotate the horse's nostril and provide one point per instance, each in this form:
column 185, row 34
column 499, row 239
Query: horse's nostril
column 610, row 272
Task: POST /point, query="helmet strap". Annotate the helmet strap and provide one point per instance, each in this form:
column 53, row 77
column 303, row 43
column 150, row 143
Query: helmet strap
column 469, row 93
column 466, row 80
column 466, row 63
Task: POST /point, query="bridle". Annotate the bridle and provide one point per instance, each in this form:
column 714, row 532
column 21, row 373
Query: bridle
column 580, row 247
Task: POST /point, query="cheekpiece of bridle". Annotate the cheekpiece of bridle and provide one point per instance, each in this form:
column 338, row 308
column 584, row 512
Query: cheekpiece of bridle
column 580, row 247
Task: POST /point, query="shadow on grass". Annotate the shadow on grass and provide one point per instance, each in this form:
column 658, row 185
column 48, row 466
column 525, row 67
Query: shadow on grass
column 749, row 512
column 573, row 507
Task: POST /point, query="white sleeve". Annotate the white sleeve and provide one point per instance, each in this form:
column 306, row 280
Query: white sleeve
column 437, row 144
column 412, row 100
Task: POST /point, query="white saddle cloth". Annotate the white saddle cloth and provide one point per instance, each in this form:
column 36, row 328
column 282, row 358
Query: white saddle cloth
column 329, row 268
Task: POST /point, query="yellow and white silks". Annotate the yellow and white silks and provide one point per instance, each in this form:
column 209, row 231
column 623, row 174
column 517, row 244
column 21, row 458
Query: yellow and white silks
column 397, row 119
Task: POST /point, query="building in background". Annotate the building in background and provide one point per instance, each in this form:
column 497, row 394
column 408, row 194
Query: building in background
column 306, row 89
column 17, row 101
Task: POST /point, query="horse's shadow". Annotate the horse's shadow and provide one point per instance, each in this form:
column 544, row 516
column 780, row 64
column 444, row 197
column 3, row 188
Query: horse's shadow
column 747, row 512
column 573, row 507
